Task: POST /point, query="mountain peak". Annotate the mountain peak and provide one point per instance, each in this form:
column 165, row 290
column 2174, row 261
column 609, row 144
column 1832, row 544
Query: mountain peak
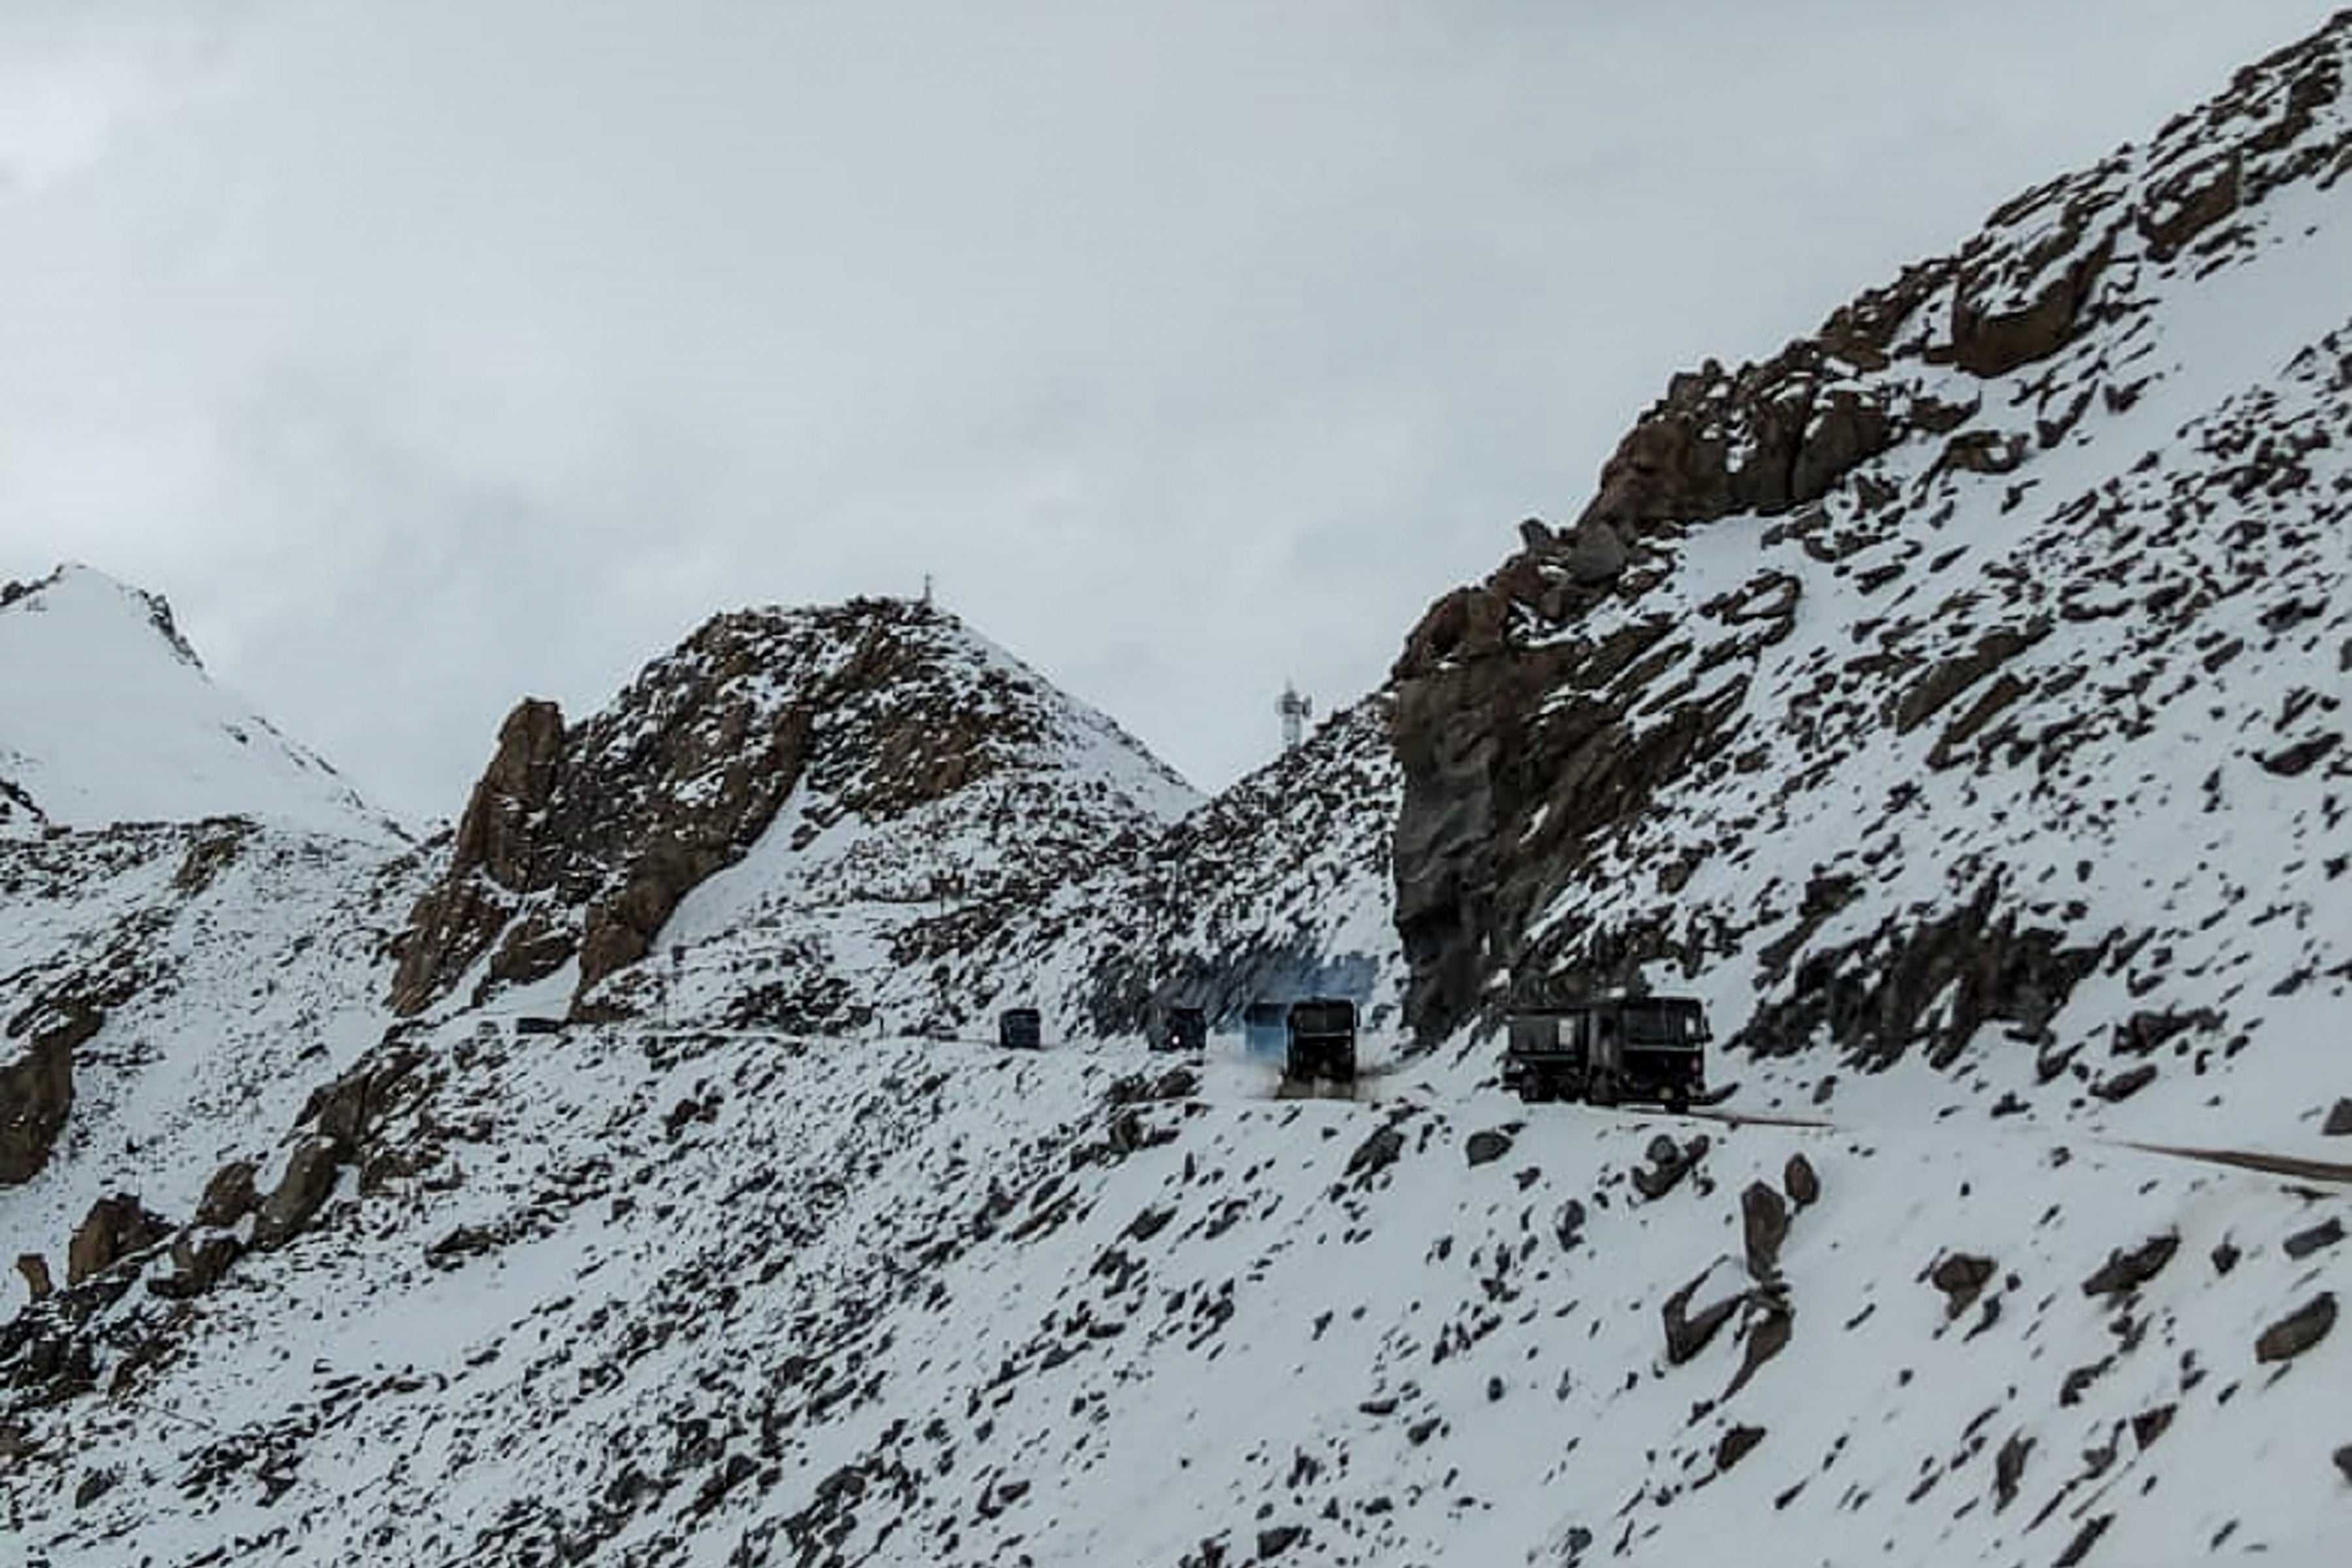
column 76, row 589
column 844, row 744
column 107, row 715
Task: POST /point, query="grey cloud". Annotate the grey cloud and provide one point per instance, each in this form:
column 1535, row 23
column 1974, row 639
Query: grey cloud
column 430, row 353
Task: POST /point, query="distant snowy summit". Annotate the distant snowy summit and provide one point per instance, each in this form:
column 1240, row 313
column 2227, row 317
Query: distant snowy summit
column 108, row 716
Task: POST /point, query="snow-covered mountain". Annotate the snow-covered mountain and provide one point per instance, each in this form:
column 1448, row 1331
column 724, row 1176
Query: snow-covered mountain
column 1277, row 888
column 192, row 910
column 106, row 715
column 796, row 796
column 166, row 991
column 1952, row 701
column 190, row 907
column 1956, row 699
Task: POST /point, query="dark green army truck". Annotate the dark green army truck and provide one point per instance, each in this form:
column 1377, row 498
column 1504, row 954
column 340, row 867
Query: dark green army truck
column 1319, row 1041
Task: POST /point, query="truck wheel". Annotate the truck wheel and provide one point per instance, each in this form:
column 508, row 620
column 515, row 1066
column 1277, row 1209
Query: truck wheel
column 1602, row 1088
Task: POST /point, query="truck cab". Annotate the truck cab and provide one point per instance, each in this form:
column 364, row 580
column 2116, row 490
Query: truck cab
column 1320, row 1040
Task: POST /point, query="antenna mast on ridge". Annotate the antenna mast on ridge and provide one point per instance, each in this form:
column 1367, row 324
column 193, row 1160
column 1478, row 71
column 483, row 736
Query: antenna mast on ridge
column 1294, row 711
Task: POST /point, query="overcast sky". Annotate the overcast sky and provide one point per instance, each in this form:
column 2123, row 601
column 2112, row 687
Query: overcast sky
column 427, row 355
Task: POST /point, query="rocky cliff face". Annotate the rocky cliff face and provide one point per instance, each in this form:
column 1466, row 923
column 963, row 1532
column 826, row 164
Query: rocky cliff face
column 37, row 1090
column 840, row 728
column 1849, row 693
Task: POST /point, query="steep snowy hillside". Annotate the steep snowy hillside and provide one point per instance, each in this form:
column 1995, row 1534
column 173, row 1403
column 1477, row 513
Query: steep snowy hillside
column 632, row 1298
column 192, row 913
column 813, row 782
column 106, row 715
column 1955, row 699
column 168, row 993
column 1279, row 887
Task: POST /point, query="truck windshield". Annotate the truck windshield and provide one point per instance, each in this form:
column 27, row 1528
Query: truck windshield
column 1665, row 1026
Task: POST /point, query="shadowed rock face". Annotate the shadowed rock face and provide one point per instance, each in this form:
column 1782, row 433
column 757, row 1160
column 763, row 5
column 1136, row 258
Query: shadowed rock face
column 37, row 1093
column 493, row 863
column 115, row 1228
column 1548, row 720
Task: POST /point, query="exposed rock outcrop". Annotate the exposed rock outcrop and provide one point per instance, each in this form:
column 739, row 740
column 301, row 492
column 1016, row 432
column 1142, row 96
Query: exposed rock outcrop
column 1487, row 1145
column 1688, row 1333
column 1764, row 1225
column 579, row 841
column 494, row 861
column 115, row 1228
column 1961, row 1277
column 2127, row 1271
column 301, row 1191
column 229, row 1196
column 1800, row 1182
column 36, row 1089
column 2300, row 1330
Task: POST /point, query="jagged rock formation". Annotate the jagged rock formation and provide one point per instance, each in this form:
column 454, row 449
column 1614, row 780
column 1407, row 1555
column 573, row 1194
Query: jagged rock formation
column 580, row 845
column 1850, row 690
column 36, row 1089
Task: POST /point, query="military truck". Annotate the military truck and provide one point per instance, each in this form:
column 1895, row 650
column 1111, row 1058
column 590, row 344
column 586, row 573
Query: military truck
column 1020, row 1029
column 1651, row 1048
column 1319, row 1041
column 1183, row 1029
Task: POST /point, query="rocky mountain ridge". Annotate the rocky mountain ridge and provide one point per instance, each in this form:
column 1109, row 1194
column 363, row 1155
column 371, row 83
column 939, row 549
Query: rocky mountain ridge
column 863, row 735
column 1935, row 605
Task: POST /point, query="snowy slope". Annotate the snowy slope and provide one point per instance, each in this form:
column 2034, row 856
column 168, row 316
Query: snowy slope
column 1279, row 888
column 191, row 911
column 106, row 716
column 1990, row 790
column 899, row 907
column 618, row 1296
column 226, row 969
